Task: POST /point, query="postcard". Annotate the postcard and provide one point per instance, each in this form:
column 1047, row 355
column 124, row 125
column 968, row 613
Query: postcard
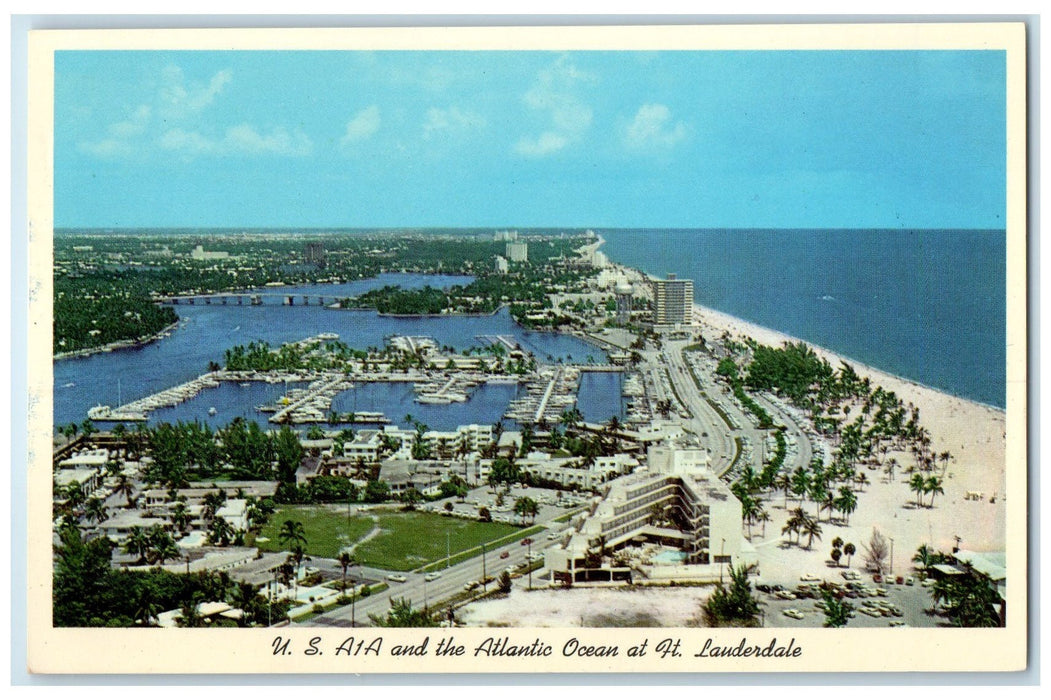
column 682, row 349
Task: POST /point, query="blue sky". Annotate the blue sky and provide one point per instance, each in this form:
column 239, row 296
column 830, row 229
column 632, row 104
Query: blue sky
column 589, row 139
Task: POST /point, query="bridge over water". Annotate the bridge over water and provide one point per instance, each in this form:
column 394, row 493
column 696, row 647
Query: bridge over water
column 251, row 299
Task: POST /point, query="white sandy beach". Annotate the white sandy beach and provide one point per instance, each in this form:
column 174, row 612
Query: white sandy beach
column 973, row 433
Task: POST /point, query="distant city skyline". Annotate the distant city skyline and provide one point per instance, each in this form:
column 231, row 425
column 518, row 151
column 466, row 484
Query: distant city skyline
column 314, row 139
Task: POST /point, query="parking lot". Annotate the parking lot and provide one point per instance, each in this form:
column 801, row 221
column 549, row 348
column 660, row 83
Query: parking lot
column 888, row 604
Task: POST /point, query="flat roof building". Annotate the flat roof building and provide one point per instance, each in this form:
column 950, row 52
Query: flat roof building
column 677, row 502
column 673, row 301
column 517, row 251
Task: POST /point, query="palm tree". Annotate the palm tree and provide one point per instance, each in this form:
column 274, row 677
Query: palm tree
column 784, row 482
column 933, row 486
column 180, row 517
column 945, row 457
column 125, row 487
column 246, row 597
column 763, row 517
column 918, row 485
column 292, row 533
column 146, row 606
column 95, row 510
column 138, row 543
column 220, row 532
column 847, row 502
column 924, row 556
column 812, row 529
column 849, row 549
column 165, row 550
column 889, row 467
column 345, row 562
column 74, row 495
column 190, row 615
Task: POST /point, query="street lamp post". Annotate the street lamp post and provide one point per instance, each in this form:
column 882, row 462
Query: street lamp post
column 483, row 567
column 529, row 561
column 722, row 557
column 892, row 555
column 353, row 599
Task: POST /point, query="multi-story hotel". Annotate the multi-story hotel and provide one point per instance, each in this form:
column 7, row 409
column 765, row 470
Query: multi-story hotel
column 676, row 502
column 673, row 301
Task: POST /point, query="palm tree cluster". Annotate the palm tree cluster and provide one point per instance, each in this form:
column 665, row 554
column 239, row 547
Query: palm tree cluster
column 153, row 546
column 922, row 486
column 800, row 523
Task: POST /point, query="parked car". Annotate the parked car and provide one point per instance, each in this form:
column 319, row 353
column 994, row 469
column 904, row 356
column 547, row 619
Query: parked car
column 433, row 575
column 809, row 577
column 471, row 585
column 793, row 613
column 397, row 578
column 504, row 555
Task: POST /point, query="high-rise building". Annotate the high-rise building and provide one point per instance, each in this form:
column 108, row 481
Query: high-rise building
column 517, row 251
column 673, row 301
column 314, row 253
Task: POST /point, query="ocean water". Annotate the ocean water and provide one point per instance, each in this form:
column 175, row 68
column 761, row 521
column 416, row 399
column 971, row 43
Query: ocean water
column 927, row 305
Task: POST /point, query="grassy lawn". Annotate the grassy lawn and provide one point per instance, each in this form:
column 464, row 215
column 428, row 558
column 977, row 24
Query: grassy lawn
column 406, row 541
column 327, row 529
column 410, row 540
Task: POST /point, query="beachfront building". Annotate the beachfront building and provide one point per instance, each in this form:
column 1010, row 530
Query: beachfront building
column 517, row 251
column 677, row 503
column 673, row 301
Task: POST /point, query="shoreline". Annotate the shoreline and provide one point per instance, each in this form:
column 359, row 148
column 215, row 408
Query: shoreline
column 117, row 345
column 775, row 338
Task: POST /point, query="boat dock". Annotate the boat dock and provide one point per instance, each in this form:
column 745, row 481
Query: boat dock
column 548, row 394
column 312, row 404
column 507, row 341
column 138, row 410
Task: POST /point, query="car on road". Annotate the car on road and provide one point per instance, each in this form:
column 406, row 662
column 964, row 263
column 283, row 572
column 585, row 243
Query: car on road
column 786, row 595
column 397, row 578
column 527, row 541
column 504, row 555
column 433, row 575
column 471, row 585
column 809, row 577
column 793, row 613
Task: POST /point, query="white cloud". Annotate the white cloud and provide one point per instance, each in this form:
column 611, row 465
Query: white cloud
column 452, row 119
column 278, row 141
column 363, row 125
column 555, row 96
column 187, row 143
column 177, row 98
column 119, row 142
column 134, row 125
column 544, row 144
column 108, row 148
column 652, row 128
column 242, row 139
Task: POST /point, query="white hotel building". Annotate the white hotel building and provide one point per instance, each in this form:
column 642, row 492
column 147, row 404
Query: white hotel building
column 677, row 485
